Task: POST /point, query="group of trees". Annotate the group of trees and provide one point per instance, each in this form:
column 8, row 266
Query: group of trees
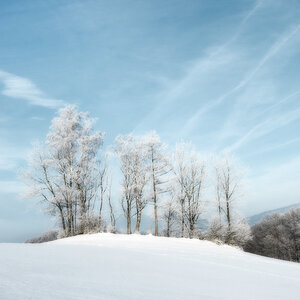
column 71, row 175
column 277, row 236
column 143, row 167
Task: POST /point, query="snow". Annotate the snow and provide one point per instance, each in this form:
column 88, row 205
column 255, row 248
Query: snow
column 107, row 266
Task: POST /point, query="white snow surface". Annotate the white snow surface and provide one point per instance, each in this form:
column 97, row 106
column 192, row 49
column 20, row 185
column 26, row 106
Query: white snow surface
column 108, row 266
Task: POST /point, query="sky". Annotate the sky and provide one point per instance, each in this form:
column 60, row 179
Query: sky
column 221, row 74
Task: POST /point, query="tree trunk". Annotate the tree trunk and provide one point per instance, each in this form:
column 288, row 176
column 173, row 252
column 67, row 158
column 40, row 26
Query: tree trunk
column 138, row 217
column 112, row 215
column 128, row 217
column 101, row 203
column 83, row 216
column 62, row 219
column 168, row 225
column 229, row 233
column 228, row 214
column 155, row 211
column 182, row 218
column 154, row 195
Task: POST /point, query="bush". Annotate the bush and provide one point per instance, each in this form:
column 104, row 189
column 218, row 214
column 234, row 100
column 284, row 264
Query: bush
column 45, row 237
column 238, row 235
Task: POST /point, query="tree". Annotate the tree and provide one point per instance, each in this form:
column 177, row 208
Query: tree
column 241, row 233
column 227, row 185
column 111, row 209
column 159, row 167
column 104, row 185
column 63, row 173
column 189, row 170
column 170, row 215
column 216, row 230
column 132, row 155
column 180, row 170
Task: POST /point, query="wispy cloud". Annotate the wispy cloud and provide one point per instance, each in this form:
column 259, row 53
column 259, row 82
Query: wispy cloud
column 274, row 49
column 266, row 127
column 239, row 29
column 273, row 147
column 22, row 88
column 281, row 102
column 215, row 58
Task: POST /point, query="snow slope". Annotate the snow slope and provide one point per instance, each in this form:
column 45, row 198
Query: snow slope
column 107, row 266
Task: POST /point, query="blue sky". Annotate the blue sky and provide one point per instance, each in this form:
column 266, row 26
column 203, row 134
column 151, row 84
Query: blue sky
column 223, row 74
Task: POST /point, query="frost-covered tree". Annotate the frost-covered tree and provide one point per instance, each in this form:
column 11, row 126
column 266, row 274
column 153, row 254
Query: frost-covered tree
column 189, row 170
column 112, row 227
column 227, row 185
column 241, row 232
column 216, row 230
column 179, row 169
column 159, row 167
column 64, row 172
column 104, row 185
column 170, row 216
column 132, row 155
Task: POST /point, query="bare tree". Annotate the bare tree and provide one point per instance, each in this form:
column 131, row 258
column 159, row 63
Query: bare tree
column 134, row 177
column 140, row 174
column 180, row 170
column 170, row 215
column 189, row 170
column 104, row 185
column 228, row 184
column 215, row 230
column 159, row 168
column 64, row 174
column 193, row 190
column 111, row 209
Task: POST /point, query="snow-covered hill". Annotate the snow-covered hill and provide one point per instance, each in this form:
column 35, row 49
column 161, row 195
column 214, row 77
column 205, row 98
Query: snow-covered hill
column 107, row 266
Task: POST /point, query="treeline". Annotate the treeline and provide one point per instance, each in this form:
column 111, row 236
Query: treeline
column 75, row 180
column 277, row 236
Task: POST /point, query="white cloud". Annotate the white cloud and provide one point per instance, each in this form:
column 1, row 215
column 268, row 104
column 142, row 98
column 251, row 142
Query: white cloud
column 12, row 187
column 216, row 60
column 23, row 88
column 266, row 127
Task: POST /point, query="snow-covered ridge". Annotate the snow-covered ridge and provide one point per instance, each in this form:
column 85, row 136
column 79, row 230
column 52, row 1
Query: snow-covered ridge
column 108, row 266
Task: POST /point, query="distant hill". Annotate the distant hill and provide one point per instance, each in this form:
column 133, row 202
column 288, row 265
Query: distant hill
column 257, row 218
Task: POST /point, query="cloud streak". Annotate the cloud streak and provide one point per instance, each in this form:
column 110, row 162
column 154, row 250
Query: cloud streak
column 22, row 88
column 280, row 42
column 266, row 127
column 215, row 58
